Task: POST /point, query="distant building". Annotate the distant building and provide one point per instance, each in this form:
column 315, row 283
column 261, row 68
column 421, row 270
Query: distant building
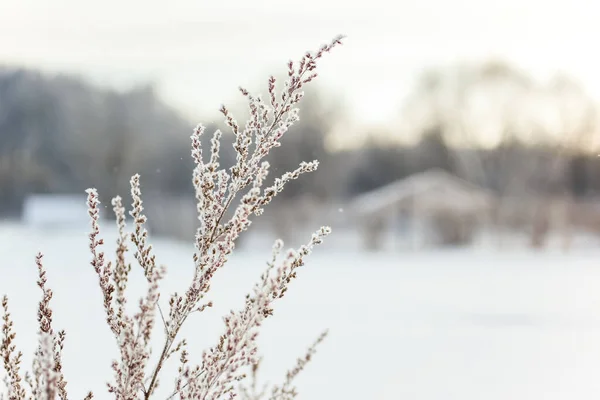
column 53, row 211
column 451, row 207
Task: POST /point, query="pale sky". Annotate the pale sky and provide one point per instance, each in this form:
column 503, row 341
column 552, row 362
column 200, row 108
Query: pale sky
column 199, row 52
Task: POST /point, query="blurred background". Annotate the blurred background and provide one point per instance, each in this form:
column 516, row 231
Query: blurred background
column 459, row 144
column 496, row 104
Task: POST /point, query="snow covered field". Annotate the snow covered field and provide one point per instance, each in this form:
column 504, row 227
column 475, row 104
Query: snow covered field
column 455, row 324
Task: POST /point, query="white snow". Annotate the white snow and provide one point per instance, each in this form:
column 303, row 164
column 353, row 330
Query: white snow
column 454, row 324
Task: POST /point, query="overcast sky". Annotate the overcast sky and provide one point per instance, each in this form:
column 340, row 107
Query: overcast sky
column 198, row 51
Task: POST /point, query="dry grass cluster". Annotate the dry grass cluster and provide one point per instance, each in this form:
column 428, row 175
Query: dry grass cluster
column 222, row 370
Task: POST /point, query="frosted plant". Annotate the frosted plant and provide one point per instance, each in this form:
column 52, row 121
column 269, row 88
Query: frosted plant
column 221, row 371
column 284, row 391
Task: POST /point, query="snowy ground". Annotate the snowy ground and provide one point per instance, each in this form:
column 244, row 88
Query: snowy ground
column 463, row 324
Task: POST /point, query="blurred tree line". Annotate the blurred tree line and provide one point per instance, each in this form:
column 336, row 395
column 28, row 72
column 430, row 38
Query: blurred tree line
column 493, row 125
column 59, row 134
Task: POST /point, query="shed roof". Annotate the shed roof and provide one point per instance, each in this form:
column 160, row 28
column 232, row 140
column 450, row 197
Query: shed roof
column 432, row 189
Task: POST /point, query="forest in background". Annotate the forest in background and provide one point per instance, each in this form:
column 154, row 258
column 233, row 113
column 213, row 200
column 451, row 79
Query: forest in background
column 60, row 134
